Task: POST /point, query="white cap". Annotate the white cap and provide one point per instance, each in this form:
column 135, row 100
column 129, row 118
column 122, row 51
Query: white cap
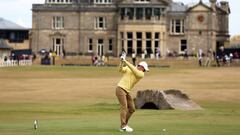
column 144, row 64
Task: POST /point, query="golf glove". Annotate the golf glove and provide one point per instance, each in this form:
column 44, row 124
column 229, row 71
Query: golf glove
column 123, row 56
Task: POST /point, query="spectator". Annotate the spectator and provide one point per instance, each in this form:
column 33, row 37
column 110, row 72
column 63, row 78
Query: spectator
column 217, row 60
column 231, row 57
column 200, row 57
column 5, row 58
column 214, row 55
column 93, row 59
column 209, row 58
column 157, row 53
column 134, row 58
column 13, row 57
column 145, row 53
column 227, row 60
column 103, row 60
column 175, row 54
column 64, row 54
column 53, row 55
column 236, row 56
column 34, row 56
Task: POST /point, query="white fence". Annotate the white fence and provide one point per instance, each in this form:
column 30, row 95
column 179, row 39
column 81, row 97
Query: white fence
column 12, row 63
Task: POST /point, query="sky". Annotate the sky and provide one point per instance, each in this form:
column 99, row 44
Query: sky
column 19, row 11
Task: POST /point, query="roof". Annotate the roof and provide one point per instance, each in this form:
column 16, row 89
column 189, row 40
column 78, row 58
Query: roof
column 178, row 7
column 193, row 5
column 4, row 45
column 8, row 25
column 207, row 5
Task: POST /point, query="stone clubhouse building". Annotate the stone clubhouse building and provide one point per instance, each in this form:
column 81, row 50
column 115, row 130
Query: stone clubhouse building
column 103, row 27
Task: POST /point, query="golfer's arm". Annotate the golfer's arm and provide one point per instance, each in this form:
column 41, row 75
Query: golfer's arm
column 121, row 68
column 135, row 71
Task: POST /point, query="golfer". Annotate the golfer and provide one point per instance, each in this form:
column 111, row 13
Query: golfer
column 131, row 75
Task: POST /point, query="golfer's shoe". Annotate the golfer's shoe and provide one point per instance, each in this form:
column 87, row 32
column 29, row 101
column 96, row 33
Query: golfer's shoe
column 126, row 129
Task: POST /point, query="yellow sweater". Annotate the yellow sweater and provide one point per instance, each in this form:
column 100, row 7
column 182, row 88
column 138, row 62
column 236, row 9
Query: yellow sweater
column 131, row 75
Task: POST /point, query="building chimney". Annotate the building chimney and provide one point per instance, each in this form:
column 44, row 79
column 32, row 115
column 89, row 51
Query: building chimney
column 225, row 6
column 213, row 4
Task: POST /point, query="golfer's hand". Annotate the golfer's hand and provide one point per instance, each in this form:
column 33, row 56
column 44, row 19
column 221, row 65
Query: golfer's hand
column 123, row 57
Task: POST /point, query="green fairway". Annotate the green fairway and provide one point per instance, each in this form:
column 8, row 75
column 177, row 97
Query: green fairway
column 81, row 101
